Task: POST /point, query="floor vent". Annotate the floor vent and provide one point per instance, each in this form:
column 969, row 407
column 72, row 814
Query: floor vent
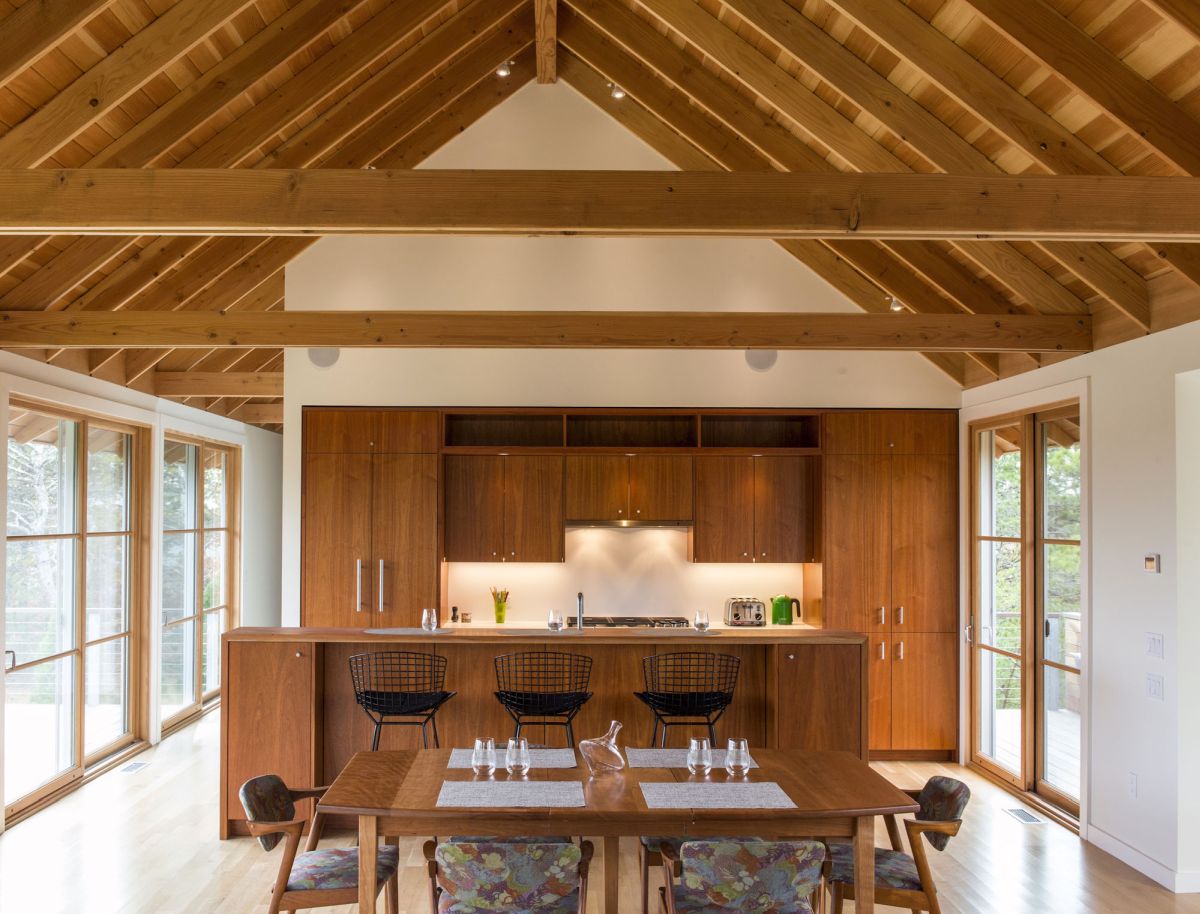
column 1025, row 817
column 134, row 766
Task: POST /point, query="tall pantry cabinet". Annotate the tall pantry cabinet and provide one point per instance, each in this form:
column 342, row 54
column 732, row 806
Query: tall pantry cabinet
column 370, row 525
column 890, row 548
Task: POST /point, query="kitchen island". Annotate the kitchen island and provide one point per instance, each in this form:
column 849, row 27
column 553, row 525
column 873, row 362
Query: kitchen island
column 289, row 709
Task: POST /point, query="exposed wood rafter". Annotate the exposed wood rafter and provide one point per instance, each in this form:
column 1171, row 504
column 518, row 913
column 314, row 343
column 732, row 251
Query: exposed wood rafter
column 545, row 18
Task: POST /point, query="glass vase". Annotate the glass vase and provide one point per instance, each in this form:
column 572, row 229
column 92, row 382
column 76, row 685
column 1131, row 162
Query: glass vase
column 501, row 612
column 602, row 753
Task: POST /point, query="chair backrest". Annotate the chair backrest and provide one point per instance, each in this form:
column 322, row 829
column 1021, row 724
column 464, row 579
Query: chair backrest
column 942, row 799
column 543, row 671
column 397, row 671
column 500, row 876
column 691, row 671
column 267, row 799
column 753, row 876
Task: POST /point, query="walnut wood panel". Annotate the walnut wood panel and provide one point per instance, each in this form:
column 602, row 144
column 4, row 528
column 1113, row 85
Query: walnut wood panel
column 268, row 703
column 404, row 538
column 724, row 530
column 474, row 508
column 597, row 487
column 533, row 509
column 857, row 551
column 924, row 539
column 879, row 690
column 891, row 432
column 339, row 431
column 924, row 695
column 407, row 432
column 660, row 487
column 816, row 698
column 336, row 531
column 782, row 509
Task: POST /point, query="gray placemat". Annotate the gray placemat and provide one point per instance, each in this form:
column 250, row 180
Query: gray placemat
column 510, row 793
column 671, row 758
column 538, row 758
column 716, row 795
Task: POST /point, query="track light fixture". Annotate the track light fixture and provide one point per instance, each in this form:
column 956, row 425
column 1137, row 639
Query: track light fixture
column 616, row 91
column 895, row 304
column 505, row 69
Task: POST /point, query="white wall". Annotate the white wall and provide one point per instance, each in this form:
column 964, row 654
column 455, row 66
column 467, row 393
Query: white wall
column 554, row 127
column 1137, row 506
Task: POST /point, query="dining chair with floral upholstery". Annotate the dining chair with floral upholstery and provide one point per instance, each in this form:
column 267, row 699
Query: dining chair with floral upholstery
column 903, row 880
column 743, row 875
column 316, row 878
column 650, row 859
column 506, row 875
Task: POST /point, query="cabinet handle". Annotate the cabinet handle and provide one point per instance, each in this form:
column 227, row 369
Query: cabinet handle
column 14, row 657
column 638, row 511
column 882, row 615
column 744, row 554
column 763, row 555
column 900, row 616
column 358, row 585
column 900, row 651
column 791, row 656
column 493, row 552
column 514, row 552
column 299, row 653
column 882, row 650
column 381, row 585
column 620, row 510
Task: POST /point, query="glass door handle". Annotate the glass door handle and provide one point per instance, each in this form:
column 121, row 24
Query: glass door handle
column 7, row 654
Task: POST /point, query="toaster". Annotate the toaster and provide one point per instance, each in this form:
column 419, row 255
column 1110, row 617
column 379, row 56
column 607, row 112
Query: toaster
column 745, row 611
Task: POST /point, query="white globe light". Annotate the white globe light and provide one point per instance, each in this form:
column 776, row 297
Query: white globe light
column 762, row 359
column 324, row 357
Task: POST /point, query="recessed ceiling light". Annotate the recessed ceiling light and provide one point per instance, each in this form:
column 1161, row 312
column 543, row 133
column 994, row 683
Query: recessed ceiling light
column 895, row 304
column 324, row 356
column 616, row 91
column 761, row 359
column 505, row 69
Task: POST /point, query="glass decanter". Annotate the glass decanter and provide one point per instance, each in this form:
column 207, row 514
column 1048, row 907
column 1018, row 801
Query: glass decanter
column 603, row 754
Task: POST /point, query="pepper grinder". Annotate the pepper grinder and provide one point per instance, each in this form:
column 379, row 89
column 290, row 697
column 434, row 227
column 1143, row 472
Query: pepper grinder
column 453, row 613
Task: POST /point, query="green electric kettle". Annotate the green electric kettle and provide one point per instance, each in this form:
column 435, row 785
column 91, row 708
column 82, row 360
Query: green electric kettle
column 781, row 609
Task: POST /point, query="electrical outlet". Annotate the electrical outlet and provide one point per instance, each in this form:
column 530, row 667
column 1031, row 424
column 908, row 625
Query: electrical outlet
column 1154, row 644
column 1133, row 784
column 1154, row 686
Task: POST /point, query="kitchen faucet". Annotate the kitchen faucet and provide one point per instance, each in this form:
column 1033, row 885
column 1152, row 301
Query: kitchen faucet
column 579, row 613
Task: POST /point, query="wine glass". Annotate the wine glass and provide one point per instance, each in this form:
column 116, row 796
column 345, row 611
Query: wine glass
column 517, row 759
column 429, row 619
column 699, row 757
column 700, row 622
column 737, row 758
column 554, row 620
column 483, row 756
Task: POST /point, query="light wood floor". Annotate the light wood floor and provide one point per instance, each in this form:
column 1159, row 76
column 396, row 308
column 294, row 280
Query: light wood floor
column 145, row 843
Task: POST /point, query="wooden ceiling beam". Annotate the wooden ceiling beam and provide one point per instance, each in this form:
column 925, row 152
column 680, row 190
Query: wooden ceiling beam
column 260, row 413
column 545, row 21
column 34, row 28
column 113, row 79
column 46, row 287
column 1184, row 13
column 218, row 383
column 550, row 329
column 634, row 203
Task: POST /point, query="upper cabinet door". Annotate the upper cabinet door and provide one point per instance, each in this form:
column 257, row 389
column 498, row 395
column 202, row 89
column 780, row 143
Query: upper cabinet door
column 660, row 487
column 404, row 561
column 896, row 431
column 781, row 509
column 924, row 544
column 407, row 431
column 474, row 497
column 857, row 556
column 340, row 431
column 724, row 529
column 597, row 487
column 533, row 509
column 336, row 534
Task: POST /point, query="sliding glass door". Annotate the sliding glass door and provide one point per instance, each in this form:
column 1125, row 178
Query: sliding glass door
column 1026, row 601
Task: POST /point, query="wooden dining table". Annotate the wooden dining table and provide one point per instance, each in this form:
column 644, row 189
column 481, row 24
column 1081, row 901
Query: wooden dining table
column 395, row 794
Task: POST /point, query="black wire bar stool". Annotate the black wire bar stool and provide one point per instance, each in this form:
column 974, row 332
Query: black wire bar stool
column 400, row 684
column 543, row 687
column 688, row 689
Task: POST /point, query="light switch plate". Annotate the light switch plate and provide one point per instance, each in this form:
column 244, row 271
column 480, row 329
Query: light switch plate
column 1154, row 644
column 1154, row 687
column 1151, row 563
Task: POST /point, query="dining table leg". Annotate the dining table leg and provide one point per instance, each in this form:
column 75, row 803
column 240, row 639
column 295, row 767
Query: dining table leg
column 864, row 865
column 368, row 850
column 612, row 872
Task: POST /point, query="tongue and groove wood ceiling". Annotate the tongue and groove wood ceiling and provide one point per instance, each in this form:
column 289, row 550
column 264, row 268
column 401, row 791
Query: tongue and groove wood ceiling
column 987, row 87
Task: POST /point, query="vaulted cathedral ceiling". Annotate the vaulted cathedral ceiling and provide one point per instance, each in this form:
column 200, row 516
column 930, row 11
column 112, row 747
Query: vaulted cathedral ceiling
column 965, row 87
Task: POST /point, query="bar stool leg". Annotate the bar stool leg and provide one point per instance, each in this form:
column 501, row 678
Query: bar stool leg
column 570, row 735
column 375, row 738
column 712, row 736
column 654, row 732
column 424, row 735
column 437, row 743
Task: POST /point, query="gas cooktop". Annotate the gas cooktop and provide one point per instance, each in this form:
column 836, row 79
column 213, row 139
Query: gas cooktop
column 630, row 622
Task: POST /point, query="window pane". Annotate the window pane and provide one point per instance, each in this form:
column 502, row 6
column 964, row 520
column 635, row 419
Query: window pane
column 105, row 694
column 215, row 577
column 107, row 580
column 39, row 612
column 107, row 481
column 214, row 488
column 178, row 576
column 1000, row 595
column 39, row 726
column 179, row 485
column 999, row 709
column 1062, row 604
column 1000, row 482
column 178, row 674
column 214, row 625
column 1061, row 487
column 1060, row 730
column 41, row 474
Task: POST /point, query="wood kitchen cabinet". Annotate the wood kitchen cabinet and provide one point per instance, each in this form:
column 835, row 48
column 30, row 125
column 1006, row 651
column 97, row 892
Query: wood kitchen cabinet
column 336, row 538
column 754, row 509
column 629, row 487
column 503, row 508
column 924, row 700
column 370, row 431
